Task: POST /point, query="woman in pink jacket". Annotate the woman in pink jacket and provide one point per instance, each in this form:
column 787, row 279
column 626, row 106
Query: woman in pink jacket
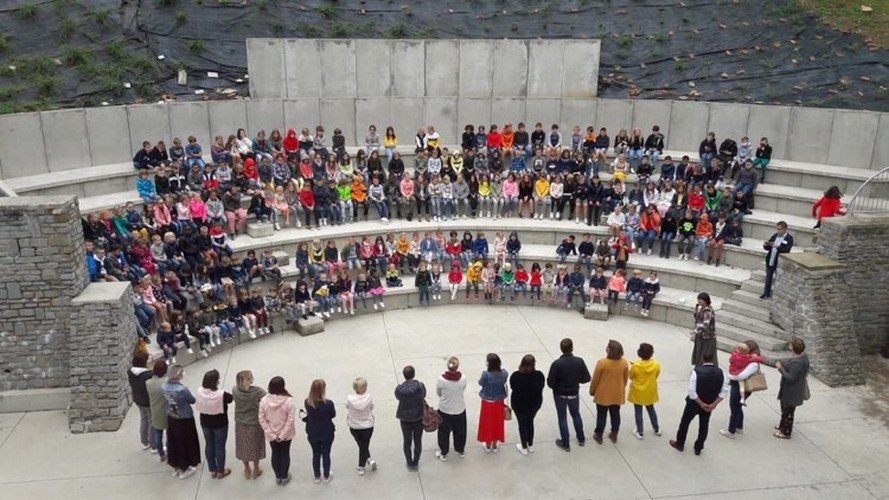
column 276, row 417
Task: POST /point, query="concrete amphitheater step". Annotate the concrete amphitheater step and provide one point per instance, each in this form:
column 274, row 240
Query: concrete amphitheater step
column 755, row 310
column 750, row 297
column 756, row 325
column 773, row 349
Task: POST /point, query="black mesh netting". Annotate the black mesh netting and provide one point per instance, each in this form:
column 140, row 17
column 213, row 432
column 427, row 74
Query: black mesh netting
column 85, row 52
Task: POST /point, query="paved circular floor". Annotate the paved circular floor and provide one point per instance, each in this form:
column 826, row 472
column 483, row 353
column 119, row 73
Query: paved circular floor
column 838, row 449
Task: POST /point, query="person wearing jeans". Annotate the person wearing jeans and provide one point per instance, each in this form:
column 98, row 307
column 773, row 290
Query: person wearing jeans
column 360, row 419
column 319, row 415
column 564, row 378
column 157, row 404
column 138, row 375
column 276, row 417
column 411, row 396
column 643, row 391
column 212, row 405
column 452, row 409
column 608, row 389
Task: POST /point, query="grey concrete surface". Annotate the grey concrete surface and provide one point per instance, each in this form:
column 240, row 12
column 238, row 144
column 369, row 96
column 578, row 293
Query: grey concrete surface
column 227, row 117
column 64, row 135
column 808, row 134
column 545, row 68
column 476, row 68
column 264, row 114
column 442, row 63
column 107, row 130
column 302, row 60
column 407, row 57
column 373, row 68
column 265, row 58
column 148, row 121
column 646, row 114
column 546, row 111
column 441, row 112
column 730, row 120
column 191, row 118
column 613, row 114
column 406, row 116
column 837, row 450
column 510, row 68
column 772, row 122
column 22, row 150
column 881, row 148
column 507, row 108
column 853, row 138
column 300, row 113
column 338, row 68
column 373, row 110
column 580, row 68
column 576, row 112
column 338, row 113
column 688, row 125
column 473, row 111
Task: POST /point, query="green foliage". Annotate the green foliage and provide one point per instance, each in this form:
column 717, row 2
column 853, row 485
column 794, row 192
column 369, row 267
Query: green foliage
column 46, row 86
column 67, row 26
column 196, row 46
column 75, row 56
column 329, row 10
column 310, row 30
column 181, row 17
column 4, row 42
column 9, row 92
column 117, row 49
column 625, row 40
column 397, row 30
column 27, row 11
column 141, row 64
column 678, row 65
column 164, row 3
column 262, row 5
column 34, row 67
column 100, row 16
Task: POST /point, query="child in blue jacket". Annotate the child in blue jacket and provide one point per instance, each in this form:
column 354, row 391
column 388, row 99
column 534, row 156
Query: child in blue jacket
column 145, row 187
column 480, row 247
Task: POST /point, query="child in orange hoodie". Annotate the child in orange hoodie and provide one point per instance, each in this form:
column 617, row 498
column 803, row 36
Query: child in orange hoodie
column 616, row 285
column 359, row 195
column 703, row 234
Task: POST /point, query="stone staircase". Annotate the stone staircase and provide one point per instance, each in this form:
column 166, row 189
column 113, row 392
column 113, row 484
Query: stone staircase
column 744, row 316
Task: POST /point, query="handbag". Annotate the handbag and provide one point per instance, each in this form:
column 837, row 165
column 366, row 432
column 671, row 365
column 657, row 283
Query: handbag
column 507, row 413
column 431, row 418
column 756, row 382
column 806, row 393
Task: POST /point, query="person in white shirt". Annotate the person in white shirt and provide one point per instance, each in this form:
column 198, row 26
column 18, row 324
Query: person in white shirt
column 360, row 419
column 616, row 221
column 707, row 387
column 450, row 388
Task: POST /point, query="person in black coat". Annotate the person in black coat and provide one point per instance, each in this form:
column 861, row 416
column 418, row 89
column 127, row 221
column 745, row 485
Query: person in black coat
column 565, row 376
column 137, row 376
column 320, row 429
column 780, row 242
column 526, row 385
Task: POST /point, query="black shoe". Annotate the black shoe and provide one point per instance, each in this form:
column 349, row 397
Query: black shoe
column 676, row 445
column 763, row 296
column 697, row 452
column 581, row 442
column 563, row 446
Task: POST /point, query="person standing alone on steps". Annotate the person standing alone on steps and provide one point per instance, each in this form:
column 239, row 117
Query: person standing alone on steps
column 565, row 376
column 780, row 242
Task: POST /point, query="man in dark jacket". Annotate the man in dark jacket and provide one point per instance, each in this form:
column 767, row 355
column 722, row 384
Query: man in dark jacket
column 411, row 395
column 707, row 386
column 565, row 376
column 780, row 242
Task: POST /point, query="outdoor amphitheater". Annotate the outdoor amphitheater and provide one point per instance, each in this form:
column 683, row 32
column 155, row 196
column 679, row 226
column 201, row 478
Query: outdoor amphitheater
column 68, row 423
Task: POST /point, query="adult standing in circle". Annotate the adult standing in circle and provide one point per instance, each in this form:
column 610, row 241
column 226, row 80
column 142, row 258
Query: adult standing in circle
column 564, row 378
column 320, row 429
column 360, row 419
column 735, row 400
column 608, row 389
column 527, row 385
column 450, row 388
column 643, row 389
column 212, row 405
column 707, row 387
column 411, row 396
column 249, row 436
column 276, row 414
column 183, row 448
column 158, row 405
column 794, row 386
column 704, row 335
column 493, row 393
column 138, row 375
column 780, row 242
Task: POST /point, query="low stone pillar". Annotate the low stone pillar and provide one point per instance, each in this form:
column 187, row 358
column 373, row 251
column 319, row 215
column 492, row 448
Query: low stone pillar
column 100, row 347
column 813, row 301
column 596, row 311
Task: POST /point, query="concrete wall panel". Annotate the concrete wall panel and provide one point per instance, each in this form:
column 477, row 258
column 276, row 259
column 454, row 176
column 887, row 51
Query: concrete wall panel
column 510, row 109
column 66, row 139
column 148, row 121
column 226, row 117
column 406, row 114
column 580, row 68
column 613, row 114
column 22, row 150
column 729, row 120
column 809, row 134
column 338, row 68
column 192, row 118
column 510, row 77
column 580, row 112
column 546, row 111
column 441, row 113
column 265, row 114
column 772, row 122
column 545, row 68
column 646, row 114
column 442, row 63
column 302, row 59
column 473, row 112
column 408, row 68
column 339, row 113
column 302, row 113
column 372, row 110
column 108, row 133
column 853, row 137
column 265, row 58
column 374, row 75
column 476, row 68
column 688, row 125
column 881, row 150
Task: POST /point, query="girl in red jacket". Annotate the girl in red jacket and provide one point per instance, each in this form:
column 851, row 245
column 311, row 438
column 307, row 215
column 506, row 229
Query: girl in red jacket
column 455, row 277
column 829, row 205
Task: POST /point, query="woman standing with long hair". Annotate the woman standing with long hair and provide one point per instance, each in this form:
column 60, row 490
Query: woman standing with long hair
column 276, row 413
column 360, row 419
column 212, row 404
column 527, row 396
column 320, row 429
column 704, row 334
column 183, row 448
column 249, row 437
column 493, row 394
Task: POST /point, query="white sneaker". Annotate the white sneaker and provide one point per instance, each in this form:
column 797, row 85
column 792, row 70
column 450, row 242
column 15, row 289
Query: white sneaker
column 190, row 350
column 204, row 353
column 384, row 220
column 329, row 478
column 441, row 457
column 530, row 449
column 352, row 312
column 523, row 451
column 453, row 217
column 326, row 315
column 174, row 360
column 375, row 306
column 382, row 305
column 726, row 433
column 649, row 252
column 277, row 226
column 372, row 464
column 175, row 473
column 252, row 334
column 360, row 471
column 638, row 434
column 339, row 309
column 187, row 472
column 435, row 218
column 696, row 258
column 657, row 432
column 265, row 330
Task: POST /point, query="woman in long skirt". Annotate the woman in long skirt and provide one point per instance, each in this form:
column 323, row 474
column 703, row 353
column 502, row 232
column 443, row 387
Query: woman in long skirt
column 183, row 448
column 493, row 393
column 704, row 335
column 249, row 436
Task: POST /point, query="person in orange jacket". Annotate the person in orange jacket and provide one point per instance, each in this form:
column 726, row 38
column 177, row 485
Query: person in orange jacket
column 359, row 195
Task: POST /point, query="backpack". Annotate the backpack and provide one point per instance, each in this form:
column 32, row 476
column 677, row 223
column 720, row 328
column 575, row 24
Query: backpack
column 431, row 418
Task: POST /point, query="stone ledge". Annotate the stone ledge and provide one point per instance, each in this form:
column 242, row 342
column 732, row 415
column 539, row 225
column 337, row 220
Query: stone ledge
column 101, row 292
column 35, row 400
column 811, row 261
column 37, row 203
column 596, row 311
column 309, row 326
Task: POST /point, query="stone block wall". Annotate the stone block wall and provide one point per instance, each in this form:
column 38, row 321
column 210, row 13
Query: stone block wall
column 812, row 301
column 41, row 269
column 861, row 243
column 101, row 343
